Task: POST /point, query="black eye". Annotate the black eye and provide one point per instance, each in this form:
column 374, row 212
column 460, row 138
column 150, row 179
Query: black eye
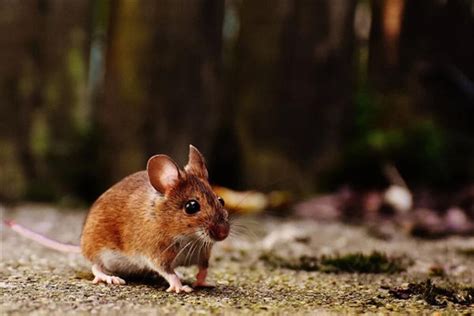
column 221, row 200
column 192, row 207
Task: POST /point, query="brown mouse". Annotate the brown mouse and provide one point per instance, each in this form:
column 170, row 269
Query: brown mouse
column 152, row 221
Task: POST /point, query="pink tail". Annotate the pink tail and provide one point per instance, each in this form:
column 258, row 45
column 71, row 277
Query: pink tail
column 45, row 241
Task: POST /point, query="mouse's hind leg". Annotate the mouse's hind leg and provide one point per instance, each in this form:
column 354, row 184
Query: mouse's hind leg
column 101, row 276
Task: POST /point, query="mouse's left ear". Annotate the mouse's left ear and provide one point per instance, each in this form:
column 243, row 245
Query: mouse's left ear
column 196, row 163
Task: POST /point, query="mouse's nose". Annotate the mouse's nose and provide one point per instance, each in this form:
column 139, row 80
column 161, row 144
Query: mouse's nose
column 219, row 231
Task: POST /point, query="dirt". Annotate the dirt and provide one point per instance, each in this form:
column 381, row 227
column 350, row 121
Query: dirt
column 39, row 281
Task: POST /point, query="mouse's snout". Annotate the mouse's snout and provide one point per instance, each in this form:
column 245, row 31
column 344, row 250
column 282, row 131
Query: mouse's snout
column 219, row 231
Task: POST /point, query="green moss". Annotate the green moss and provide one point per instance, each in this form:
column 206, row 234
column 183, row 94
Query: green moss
column 436, row 295
column 306, row 263
column 376, row 262
column 83, row 275
column 437, row 270
column 467, row 252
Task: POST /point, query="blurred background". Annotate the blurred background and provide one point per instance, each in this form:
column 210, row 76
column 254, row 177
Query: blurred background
column 299, row 96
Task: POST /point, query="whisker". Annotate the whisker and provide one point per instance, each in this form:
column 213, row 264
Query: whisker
column 243, row 230
column 237, row 235
column 246, row 195
column 182, row 249
column 200, row 243
column 190, row 252
column 171, row 245
column 194, row 249
column 200, row 248
column 175, row 241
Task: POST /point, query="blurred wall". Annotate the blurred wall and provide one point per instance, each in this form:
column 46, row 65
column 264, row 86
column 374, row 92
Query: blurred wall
column 286, row 94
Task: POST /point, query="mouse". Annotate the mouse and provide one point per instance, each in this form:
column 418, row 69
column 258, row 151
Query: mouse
column 152, row 221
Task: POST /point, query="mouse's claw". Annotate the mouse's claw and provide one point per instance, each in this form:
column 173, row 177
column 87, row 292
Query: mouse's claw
column 176, row 285
column 179, row 289
column 100, row 276
column 109, row 280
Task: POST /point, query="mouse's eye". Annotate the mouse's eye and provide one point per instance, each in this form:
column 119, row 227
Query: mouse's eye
column 192, row 207
column 221, row 200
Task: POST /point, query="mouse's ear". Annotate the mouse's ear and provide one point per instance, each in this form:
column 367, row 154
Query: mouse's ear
column 196, row 164
column 163, row 172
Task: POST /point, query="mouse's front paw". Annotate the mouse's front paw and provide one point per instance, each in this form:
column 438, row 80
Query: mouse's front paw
column 175, row 284
column 179, row 288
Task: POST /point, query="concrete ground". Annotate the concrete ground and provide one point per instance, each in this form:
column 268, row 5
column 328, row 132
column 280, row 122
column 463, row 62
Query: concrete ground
column 39, row 281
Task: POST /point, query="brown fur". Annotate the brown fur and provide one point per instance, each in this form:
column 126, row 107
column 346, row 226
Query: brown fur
column 133, row 218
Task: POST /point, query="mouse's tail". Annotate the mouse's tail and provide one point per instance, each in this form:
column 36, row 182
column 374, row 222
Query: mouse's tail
column 45, row 241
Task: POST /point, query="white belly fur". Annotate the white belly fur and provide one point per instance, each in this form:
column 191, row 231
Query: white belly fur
column 117, row 263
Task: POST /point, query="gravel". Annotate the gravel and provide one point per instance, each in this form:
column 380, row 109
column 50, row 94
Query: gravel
column 35, row 280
